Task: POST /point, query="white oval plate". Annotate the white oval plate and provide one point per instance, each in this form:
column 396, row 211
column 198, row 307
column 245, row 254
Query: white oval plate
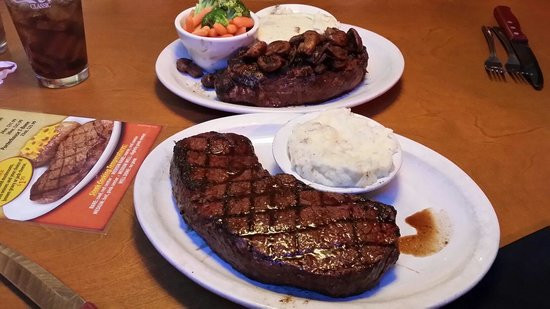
column 426, row 179
column 280, row 153
column 22, row 208
column 385, row 67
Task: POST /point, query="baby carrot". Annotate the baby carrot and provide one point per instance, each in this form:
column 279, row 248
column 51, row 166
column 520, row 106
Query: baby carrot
column 189, row 26
column 197, row 19
column 227, row 35
column 242, row 21
column 220, row 29
column 212, row 32
column 231, row 29
column 197, row 31
column 202, row 31
column 241, row 30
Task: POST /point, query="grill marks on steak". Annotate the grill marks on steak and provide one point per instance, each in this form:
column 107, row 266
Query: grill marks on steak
column 309, row 68
column 74, row 158
column 276, row 229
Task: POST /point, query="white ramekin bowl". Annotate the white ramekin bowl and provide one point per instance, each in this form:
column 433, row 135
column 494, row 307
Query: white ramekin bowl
column 212, row 53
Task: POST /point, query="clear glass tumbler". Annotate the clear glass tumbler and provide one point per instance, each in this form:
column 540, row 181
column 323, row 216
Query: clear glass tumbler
column 3, row 42
column 52, row 33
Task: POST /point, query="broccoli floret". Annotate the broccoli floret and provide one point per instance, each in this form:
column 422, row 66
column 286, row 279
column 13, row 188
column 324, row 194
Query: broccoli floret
column 205, row 4
column 234, row 8
column 223, row 11
column 216, row 16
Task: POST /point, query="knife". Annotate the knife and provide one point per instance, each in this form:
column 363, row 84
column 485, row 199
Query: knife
column 529, row 65
column 38, row 284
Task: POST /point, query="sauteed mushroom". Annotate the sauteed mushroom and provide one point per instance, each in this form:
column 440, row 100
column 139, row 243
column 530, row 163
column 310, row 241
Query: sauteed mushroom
column 319, row 55
column 270, row 63
column 185, row 65
column 355, row 41
column 295, row 40
column 336, row 36
column 255, row 50
column 278, row 47
column 311, row 40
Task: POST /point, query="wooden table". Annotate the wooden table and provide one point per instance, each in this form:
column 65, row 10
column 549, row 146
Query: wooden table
column 498, row 132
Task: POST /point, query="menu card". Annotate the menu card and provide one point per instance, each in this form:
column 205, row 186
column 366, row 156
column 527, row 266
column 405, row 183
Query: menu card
column 65, row 170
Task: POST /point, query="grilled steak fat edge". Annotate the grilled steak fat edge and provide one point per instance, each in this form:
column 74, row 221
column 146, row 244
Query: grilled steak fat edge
column 275, row 229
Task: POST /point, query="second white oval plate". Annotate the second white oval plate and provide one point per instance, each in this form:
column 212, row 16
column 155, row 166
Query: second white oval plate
column 385, row 67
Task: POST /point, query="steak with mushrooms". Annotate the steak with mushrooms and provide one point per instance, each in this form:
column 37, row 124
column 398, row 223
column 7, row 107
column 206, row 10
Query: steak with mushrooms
column 309, row 68
column 275, row 229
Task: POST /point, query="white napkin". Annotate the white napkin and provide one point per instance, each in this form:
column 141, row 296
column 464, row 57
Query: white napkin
column 6, row 67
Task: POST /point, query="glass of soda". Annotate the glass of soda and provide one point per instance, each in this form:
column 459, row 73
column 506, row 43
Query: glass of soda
column 52, row 34
column 3, row 42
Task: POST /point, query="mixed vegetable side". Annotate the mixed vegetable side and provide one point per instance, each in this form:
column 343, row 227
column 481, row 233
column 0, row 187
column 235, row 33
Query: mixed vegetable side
column 218, row 18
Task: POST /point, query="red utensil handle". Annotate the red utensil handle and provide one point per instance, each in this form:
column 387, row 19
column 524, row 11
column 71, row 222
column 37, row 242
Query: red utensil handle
column 508, row 21
column 88, row 305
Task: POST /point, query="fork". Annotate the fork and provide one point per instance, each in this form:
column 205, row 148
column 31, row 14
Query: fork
column 493, row 66
column 512, row 65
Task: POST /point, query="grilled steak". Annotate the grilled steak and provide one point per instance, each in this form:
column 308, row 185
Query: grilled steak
column 74, row 158
column 275, row 229
column 309, row 68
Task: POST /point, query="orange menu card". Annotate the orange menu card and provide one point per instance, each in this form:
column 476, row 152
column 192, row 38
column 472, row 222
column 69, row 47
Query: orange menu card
column 65, row 170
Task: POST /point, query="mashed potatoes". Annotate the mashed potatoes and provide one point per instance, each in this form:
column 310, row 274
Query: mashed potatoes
column 340, row 149
column 283, row 23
